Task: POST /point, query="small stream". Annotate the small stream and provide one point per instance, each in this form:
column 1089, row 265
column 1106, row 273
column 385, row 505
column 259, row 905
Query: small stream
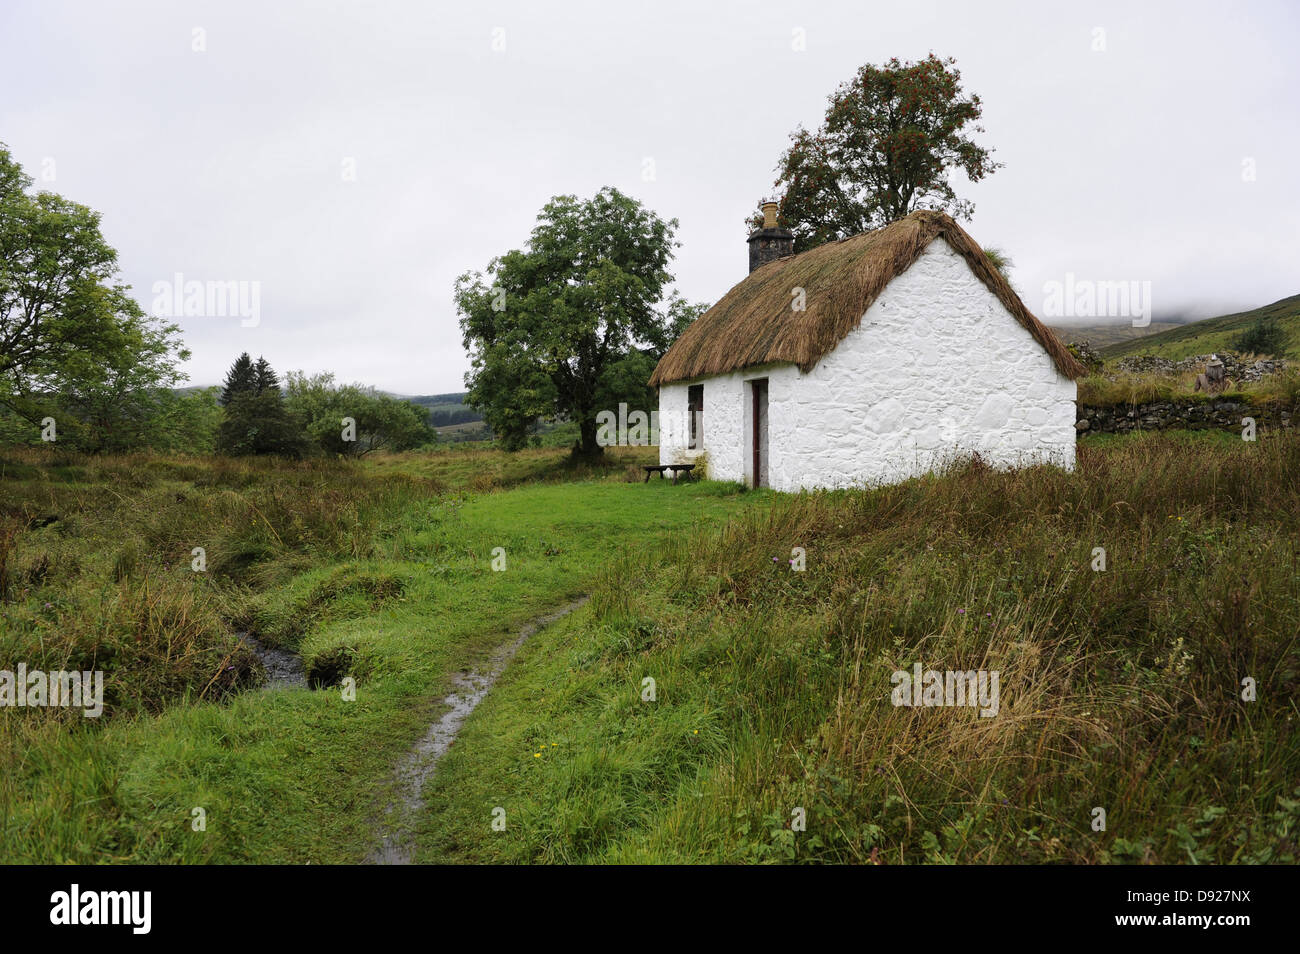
column 284, row 669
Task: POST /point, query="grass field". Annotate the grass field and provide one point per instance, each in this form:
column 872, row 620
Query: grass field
column 384, row 566
column 1120, row 689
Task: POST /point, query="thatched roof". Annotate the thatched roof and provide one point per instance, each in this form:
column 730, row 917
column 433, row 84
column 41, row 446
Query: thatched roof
column 754, row 324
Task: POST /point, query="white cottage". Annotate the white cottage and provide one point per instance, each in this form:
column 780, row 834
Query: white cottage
column 865, row 361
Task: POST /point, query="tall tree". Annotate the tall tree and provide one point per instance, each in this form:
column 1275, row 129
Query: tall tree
column 890, row 138
column 256, row 420
column 626, row 380
column 118, row 400
column 264, row 377
column 547, row 323
column 240, row 379
column 72, row 339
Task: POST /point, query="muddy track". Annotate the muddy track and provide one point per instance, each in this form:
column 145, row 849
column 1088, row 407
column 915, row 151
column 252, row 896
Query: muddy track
column 397, row 835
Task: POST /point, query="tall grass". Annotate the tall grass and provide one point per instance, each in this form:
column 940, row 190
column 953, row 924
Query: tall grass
column 1103, row 390
column 97, row 561
column 1121, row 688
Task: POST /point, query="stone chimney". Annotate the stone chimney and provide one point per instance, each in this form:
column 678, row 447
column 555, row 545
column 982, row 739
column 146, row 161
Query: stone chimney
column 770, row 242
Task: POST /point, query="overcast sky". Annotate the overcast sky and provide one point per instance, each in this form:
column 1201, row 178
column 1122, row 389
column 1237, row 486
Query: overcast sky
column 354, row 158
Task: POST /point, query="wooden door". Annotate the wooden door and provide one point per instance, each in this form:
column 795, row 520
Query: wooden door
column 759, row 437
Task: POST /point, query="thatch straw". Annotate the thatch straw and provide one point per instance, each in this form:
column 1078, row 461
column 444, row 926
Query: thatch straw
column 754, row 323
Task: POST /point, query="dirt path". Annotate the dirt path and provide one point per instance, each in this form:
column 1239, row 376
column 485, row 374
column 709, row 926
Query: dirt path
column 397, row 838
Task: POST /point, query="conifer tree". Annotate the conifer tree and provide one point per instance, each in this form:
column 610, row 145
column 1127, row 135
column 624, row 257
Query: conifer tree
column 256, row 419
column 240, row 379
column 264, row 376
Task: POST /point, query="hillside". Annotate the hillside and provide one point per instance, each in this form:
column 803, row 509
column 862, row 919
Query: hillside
column 1104, row 335
column 447, row 410
column 1214, row 334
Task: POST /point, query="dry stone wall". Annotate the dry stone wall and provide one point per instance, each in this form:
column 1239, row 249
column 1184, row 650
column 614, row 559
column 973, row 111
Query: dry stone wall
column 1225, row 414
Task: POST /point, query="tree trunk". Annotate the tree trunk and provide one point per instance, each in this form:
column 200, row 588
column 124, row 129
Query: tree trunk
column 587, row 448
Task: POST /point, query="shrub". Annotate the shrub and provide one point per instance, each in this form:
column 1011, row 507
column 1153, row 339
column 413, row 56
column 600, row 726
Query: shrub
column 1265, row 336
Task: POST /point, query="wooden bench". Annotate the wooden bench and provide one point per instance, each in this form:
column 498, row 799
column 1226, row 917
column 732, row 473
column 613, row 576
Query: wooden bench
column 660, row 468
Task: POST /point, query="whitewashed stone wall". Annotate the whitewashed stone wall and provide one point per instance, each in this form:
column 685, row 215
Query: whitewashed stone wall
column 937, row 367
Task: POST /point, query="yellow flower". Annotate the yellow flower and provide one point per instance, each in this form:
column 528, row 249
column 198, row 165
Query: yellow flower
column 537, row 755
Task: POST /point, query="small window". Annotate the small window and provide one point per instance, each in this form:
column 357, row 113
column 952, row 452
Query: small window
column 695, row 408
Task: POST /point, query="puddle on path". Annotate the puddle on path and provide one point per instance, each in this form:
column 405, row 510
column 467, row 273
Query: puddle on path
column 397, row 846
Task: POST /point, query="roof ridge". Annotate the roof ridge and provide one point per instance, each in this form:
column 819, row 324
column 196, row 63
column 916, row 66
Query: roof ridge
column 746, row 326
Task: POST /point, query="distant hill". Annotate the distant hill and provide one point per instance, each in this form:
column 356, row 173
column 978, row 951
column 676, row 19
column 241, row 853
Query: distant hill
column 438, row 400
column 447, row 410
column 1214, row 334
column 1102, row 336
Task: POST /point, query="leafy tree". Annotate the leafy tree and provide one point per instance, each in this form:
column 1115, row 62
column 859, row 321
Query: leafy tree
column 888, row 142
column 680, row 314
column 1265, row 336
column 626, row 380
column 73, row 342
column 115, row 404
column 380, row 422
column 186, row 422
column 552, row 318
